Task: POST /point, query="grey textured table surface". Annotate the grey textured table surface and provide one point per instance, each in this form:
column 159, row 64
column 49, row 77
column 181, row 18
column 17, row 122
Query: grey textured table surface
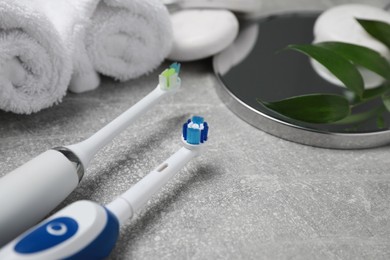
column 250, row 196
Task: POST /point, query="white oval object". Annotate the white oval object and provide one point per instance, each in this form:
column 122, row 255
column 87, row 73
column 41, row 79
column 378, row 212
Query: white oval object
column 198, row 34
column 339, row 24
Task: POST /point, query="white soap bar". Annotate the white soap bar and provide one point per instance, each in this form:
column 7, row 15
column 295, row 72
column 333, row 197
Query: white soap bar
column 339, row 24
column 198, row 34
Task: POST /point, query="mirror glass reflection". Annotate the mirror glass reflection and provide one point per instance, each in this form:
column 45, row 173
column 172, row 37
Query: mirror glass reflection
column 256, row 67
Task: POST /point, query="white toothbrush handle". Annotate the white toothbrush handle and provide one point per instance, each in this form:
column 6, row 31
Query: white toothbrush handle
column 131, row 201
column 86, row 149
column 31, row 191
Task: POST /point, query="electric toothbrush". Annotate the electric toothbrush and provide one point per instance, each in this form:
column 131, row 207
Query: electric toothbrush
column 31, row 191
column 86, row 230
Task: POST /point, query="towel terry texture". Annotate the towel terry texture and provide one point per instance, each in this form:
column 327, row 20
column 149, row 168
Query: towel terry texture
column 35, row 61
column 124, row 39
column 46, row 46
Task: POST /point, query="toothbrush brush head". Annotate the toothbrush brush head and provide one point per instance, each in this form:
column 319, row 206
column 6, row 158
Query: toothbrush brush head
column 169, row 78
column 195, row 131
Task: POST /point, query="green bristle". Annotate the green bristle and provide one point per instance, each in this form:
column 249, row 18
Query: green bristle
column 167, row 74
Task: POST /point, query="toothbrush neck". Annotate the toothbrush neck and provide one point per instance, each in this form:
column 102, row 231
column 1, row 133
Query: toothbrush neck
column 136, row 197
column 86, row 149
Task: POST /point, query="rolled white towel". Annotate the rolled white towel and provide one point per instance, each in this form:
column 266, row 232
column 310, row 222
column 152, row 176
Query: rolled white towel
column 35, row 65
column 125, row 39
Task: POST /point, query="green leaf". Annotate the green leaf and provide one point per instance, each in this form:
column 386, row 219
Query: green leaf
column 380, row 121
column 386, row 100
column 313, row 108
column 375, row 92
column 360, row 117
column 361, row 56
column 370, row 94
column 377, row 29
column 339, row 66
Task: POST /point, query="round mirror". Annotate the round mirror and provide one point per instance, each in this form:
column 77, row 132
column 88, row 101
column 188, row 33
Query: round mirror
column 255, row 67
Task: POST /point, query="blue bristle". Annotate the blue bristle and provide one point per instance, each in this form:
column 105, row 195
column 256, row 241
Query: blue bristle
column 176, row 66
column 193, row 136
column 205, row 131
column 197, row 120
column 185, row 125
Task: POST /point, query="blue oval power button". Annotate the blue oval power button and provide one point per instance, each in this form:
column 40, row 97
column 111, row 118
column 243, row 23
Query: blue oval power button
column 48, row 235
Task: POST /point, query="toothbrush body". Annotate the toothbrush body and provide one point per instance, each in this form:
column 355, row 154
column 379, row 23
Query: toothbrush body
column 82, row 230
column 31, row 191
column 86, row 230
